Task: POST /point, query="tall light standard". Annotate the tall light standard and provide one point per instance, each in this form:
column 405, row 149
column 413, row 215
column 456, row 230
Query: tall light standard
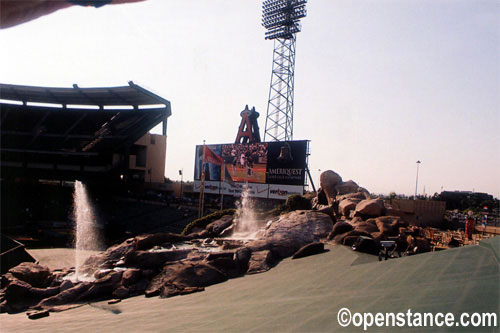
column 416, row 183
column 281, row 18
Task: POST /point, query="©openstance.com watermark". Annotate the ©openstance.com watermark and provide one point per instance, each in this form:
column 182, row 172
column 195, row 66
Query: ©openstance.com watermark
column 415, row 319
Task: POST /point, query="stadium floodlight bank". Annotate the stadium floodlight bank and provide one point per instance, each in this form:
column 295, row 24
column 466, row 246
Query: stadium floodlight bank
column 282, row 17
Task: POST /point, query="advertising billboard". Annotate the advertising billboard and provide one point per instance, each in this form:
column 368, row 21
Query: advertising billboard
column 260, row 165
column 235, row 189
column 284, row 191
column 210, row 187
column 287, row 162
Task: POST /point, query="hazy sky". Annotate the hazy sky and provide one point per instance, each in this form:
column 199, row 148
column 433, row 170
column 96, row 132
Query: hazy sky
column 379, row 84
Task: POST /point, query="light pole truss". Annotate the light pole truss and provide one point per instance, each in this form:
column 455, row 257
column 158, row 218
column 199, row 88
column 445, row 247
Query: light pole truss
column 279, row 120
column 281, row 18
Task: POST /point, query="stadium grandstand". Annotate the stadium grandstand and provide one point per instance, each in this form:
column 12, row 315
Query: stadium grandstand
column 51, row 137
column 75, row 133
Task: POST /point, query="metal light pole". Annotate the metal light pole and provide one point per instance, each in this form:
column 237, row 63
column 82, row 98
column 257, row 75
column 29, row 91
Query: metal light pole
column 281, row 18
column 202, row 185
column 181, row 172
column 416, row 183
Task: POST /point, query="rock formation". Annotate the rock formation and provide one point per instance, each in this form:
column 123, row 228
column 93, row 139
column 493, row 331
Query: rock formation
column 166, row 265
column 357, row 214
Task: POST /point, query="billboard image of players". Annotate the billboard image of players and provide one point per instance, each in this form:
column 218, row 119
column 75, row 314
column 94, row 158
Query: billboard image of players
column 245, row 162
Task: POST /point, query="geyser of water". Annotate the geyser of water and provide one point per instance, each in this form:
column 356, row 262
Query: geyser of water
column 87, row 235
column 246, row 226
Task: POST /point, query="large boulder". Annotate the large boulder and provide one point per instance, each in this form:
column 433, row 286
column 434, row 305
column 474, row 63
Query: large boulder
column 258, row 245
column 193, row 275
column 367, row 227
column 145, row 242
column 346, row 187
column 365, row 192
column 356, row 220
column 280, row 248
column 285, row 248
column 109, row 258
column 321, row 198
column 370, row 208
column 121, row 292
column 261, row 261
column 328, row 181
column 131, row 276
column 357, row 195
column 217, row 227
column 300, row 226
column 153, row 259
column 395, row 221
column 349, row 237
column 328, row 210
column 288, row 233
column 199, row 235
column 41, row 293
column 65, row 297
column 36, row 275
column 388, row 225
column 340, row 228
column 17, row 291
column 183, row 275
column 172, row 290
column 242, row 257
column 65, row 285
column 102, row 288
column 117, row 252
column 139, row 287
column 347, row 205
column 20, row 295
column 233, row 264
column 309, row 250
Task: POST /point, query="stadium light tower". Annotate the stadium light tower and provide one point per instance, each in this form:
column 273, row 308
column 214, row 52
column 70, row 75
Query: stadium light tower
column 281, row 18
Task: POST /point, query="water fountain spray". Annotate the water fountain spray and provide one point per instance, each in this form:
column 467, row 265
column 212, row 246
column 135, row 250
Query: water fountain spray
column 87, row 235
column 247, row 226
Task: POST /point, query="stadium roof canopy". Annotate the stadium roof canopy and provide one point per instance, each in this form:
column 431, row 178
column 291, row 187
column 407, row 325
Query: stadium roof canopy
column 74, row 128
column 131, row 95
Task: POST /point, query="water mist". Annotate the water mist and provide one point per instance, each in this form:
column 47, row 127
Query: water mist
column 246, row 226
column 87, row 233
